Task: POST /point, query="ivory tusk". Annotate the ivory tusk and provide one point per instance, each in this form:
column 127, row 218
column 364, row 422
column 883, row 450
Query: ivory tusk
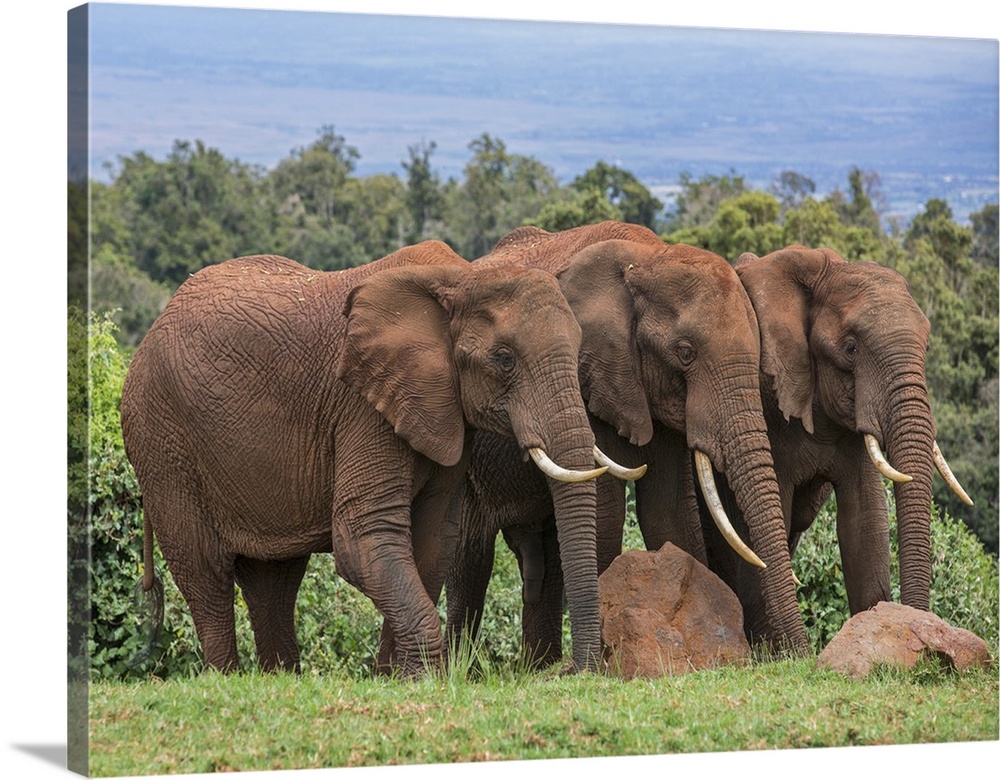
column 617, row 470
column 557, row 472
column 798, row 583
column 887, row 471
column 708, row 488
column 945, row 470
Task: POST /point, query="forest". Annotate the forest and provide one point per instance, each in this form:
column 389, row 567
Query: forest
column 155, row 222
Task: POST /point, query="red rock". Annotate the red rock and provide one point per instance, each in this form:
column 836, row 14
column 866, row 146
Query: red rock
column 895, row 634
column 663, row 613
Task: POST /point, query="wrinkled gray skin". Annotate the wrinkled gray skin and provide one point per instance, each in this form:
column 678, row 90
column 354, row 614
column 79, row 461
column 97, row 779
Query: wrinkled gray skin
column 842, row 354
column 669, row 361
column 273, row 411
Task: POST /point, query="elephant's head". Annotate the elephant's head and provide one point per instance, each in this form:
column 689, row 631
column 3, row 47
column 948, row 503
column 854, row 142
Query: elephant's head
column 439, row 350
column 670, row 336
column 844, row 344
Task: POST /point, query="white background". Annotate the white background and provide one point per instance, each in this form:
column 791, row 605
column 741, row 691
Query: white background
column 33, row 209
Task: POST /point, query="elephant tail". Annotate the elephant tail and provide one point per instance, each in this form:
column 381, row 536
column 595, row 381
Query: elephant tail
column 149, row 597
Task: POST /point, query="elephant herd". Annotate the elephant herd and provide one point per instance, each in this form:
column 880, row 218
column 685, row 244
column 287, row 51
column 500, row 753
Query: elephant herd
column 403, row 413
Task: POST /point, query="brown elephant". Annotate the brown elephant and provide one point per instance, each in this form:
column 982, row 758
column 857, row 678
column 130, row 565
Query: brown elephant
column 842, row 379
column 273, row 411
column 669, row 360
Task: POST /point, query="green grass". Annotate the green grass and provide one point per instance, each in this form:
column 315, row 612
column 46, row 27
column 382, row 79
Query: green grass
column 250, row 721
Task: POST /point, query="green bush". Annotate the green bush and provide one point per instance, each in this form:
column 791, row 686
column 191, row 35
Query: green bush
column 964, row 584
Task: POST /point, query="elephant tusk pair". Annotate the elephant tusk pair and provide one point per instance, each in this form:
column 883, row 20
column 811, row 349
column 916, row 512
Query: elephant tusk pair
column 552, row 469
column 875, row 453
column 617, row 470
column 706, row 479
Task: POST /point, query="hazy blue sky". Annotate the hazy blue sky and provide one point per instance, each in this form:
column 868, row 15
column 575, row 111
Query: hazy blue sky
column 656, row 100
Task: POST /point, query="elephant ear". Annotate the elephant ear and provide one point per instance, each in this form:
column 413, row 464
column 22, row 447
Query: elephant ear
column 783, row 287
column 398, row 354
column 594, row 285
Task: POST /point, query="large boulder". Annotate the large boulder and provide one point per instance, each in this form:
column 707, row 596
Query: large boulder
column 898, row 635
column 663, row 613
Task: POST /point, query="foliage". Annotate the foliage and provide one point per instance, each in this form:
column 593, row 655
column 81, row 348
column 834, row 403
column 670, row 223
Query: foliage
column 500, row 192
column 622, row 190
column 583, row 207
column 965, row 590
column 195, row 209
column 424, row 199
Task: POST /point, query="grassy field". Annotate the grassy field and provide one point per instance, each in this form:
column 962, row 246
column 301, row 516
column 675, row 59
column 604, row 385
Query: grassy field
column 213, row 723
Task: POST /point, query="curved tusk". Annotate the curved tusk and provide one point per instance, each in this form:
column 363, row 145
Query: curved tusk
column 707, row 481
column 557, row 472
column 887, row 471
column 617, row 470
column 945, row 470
column 798, row 583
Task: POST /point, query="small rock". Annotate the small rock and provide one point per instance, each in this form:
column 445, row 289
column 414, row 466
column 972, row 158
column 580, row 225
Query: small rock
column 663, row 613
column 895, row 634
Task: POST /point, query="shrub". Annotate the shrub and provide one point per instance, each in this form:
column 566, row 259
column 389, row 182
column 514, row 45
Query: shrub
column 964, row 584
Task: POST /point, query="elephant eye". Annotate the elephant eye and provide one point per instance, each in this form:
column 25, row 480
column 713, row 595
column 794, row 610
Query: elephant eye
column 850, row 347
column 504, row 360
column 686, row 353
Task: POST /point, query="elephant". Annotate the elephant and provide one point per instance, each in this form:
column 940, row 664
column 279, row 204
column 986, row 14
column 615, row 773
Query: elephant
column 669, row 361
column 842, row 379
column 273, row 411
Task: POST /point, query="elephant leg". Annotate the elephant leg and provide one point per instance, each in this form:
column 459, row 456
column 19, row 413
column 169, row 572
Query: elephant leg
column 541, row 612
column 665, row 498
column 202, row 570
column 863, row 535
column 466, row 588
column 434, row 534
column 270, row 589
column 372, row 541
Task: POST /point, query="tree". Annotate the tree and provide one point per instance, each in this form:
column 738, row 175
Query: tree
column 375, row 211
column 745, row 223
column 698, row 200
column 77, row 241
column 579, row 208
column 984, row 236
column 315, row 175
column 424, row 199
column 194, row 209
column 859, row 211
column 960, row 298
column 791, row 189
column 623, row 191
column 950, row 242
column 500, row 191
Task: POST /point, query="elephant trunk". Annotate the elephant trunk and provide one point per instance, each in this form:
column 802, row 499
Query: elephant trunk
column 562, row 425
column 575, row 510
column 752, row 479
column 912, row 453
column 743, row 453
